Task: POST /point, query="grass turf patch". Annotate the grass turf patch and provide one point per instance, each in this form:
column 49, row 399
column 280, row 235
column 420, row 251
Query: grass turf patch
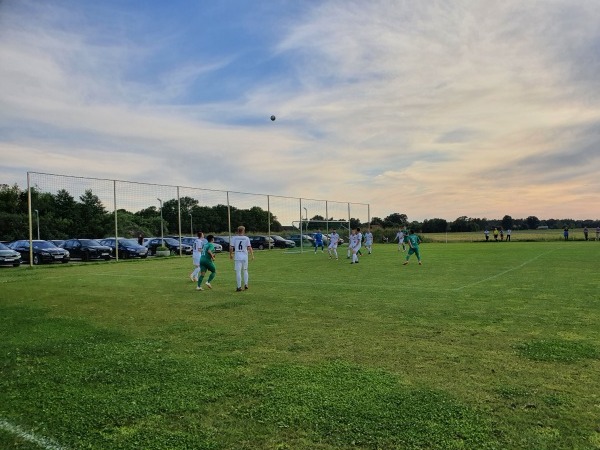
column 557, row 350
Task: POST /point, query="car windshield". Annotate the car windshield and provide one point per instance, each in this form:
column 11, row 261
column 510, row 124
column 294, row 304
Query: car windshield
column 43, row 244
column 172, row 241
column 3, row 247
column 132, row 242
column 90, row 242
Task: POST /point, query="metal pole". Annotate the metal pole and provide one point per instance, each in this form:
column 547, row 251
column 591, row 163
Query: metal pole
column 30, row 221
column 116, row 221
column 269, row 219
column 179, row 221
column 191, row 225
column 301, row 235
column 229, row 217
column 37, row 215
column 162, row 239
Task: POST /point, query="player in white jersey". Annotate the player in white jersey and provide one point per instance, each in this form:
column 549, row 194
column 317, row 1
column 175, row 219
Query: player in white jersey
column 369, row 241
column 239, row 247
column 197, row 252
column 334, row 239
column 400, row 237
column 353, row 246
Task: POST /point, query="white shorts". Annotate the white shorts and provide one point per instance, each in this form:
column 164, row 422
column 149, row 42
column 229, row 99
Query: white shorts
column 196, row 260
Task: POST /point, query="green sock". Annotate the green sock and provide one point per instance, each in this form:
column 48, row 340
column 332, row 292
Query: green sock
column 212, row 276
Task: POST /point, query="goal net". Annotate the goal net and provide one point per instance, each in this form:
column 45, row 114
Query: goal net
column 306, row 229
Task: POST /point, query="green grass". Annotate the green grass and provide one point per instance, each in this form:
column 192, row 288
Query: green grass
column 489, row 346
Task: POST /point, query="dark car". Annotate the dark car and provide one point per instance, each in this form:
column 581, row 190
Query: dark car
column 307, row 241
column 170, row 243
column 223, row 241
column 9, row 257
column 87, row 249
column 57, row 242
column 43, row 251
column 128, row 248
column 261, row 242
column 281, row 242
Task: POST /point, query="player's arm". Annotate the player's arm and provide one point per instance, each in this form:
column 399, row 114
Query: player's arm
column 251, row 251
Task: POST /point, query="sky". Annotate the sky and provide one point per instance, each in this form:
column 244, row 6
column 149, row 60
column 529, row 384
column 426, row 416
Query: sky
column 433, row 109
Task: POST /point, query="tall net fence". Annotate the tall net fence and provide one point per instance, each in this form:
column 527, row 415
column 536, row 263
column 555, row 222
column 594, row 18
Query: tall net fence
column 64, row 206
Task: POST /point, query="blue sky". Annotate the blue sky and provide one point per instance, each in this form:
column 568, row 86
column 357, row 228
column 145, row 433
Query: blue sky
column 432, row 108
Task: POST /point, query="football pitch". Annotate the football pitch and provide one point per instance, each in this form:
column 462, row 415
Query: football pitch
column 484, row 346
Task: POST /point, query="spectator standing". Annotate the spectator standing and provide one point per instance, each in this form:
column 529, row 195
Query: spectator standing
column 585, row 233
column 566, row 233
column 508, row 233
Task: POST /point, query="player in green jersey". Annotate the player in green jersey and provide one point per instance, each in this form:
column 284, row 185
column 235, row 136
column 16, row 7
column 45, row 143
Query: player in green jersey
column 207, row 263
column 413, row 242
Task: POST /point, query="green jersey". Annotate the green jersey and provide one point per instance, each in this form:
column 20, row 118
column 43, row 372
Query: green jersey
column 414, row 240
column 208, row 247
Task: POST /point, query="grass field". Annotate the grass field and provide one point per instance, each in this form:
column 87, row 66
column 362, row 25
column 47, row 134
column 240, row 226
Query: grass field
column 485, row 346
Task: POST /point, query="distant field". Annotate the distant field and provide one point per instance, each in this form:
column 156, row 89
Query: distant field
column 492, row 346
column 517, row 235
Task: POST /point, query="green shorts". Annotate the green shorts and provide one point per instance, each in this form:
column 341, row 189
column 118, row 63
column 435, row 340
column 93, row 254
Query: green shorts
column 207, row 264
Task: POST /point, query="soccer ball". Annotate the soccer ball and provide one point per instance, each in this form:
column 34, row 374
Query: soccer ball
column 273, row 118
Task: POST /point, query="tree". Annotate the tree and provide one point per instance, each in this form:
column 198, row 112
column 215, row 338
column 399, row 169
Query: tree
column 435, row 226
column 507, row 223
column 395, row 220
column 92, row 218
column 532, row 222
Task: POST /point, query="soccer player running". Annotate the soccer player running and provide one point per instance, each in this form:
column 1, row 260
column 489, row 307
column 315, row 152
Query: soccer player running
column 400, row 237
column 207, row 263
column 369, row 241
column 196, row 254
column 319, row 241
column 334, row 239
column 413, row 242
column 238, row 251
column 354, row 244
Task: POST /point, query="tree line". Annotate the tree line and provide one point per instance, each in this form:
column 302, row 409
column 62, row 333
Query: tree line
column 62, row 216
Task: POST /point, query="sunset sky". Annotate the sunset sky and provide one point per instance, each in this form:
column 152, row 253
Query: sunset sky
column 428, row 108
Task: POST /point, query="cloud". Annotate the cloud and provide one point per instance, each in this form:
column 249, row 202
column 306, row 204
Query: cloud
column 434, row 109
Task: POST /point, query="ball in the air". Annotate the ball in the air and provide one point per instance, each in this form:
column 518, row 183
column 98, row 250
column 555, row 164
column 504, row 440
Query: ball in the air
column 273, row 118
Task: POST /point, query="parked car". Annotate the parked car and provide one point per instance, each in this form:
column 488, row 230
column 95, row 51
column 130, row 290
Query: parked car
column 307, row 241
column 281, row 242
column 9, row 257
column 57, row 242
column 43, row 251
column 87, row 249
column 190, row 241
column 128, row 248
column 170, row 243
column 223, row 241
column 261, row 242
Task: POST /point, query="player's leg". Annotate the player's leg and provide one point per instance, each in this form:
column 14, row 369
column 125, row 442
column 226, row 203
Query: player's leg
column 238, row 274
column 246, row 275
column 201, row 277
column 213, row 273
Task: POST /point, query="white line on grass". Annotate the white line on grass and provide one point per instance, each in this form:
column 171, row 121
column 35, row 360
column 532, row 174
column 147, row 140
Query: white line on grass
column 45, row 443
column 502, row 273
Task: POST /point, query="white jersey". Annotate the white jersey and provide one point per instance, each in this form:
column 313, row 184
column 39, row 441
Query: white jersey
column 197, row 247
column 240, row 246
column 334, row 238
column 368, row 238
column 358, row 239
column 400, row 237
